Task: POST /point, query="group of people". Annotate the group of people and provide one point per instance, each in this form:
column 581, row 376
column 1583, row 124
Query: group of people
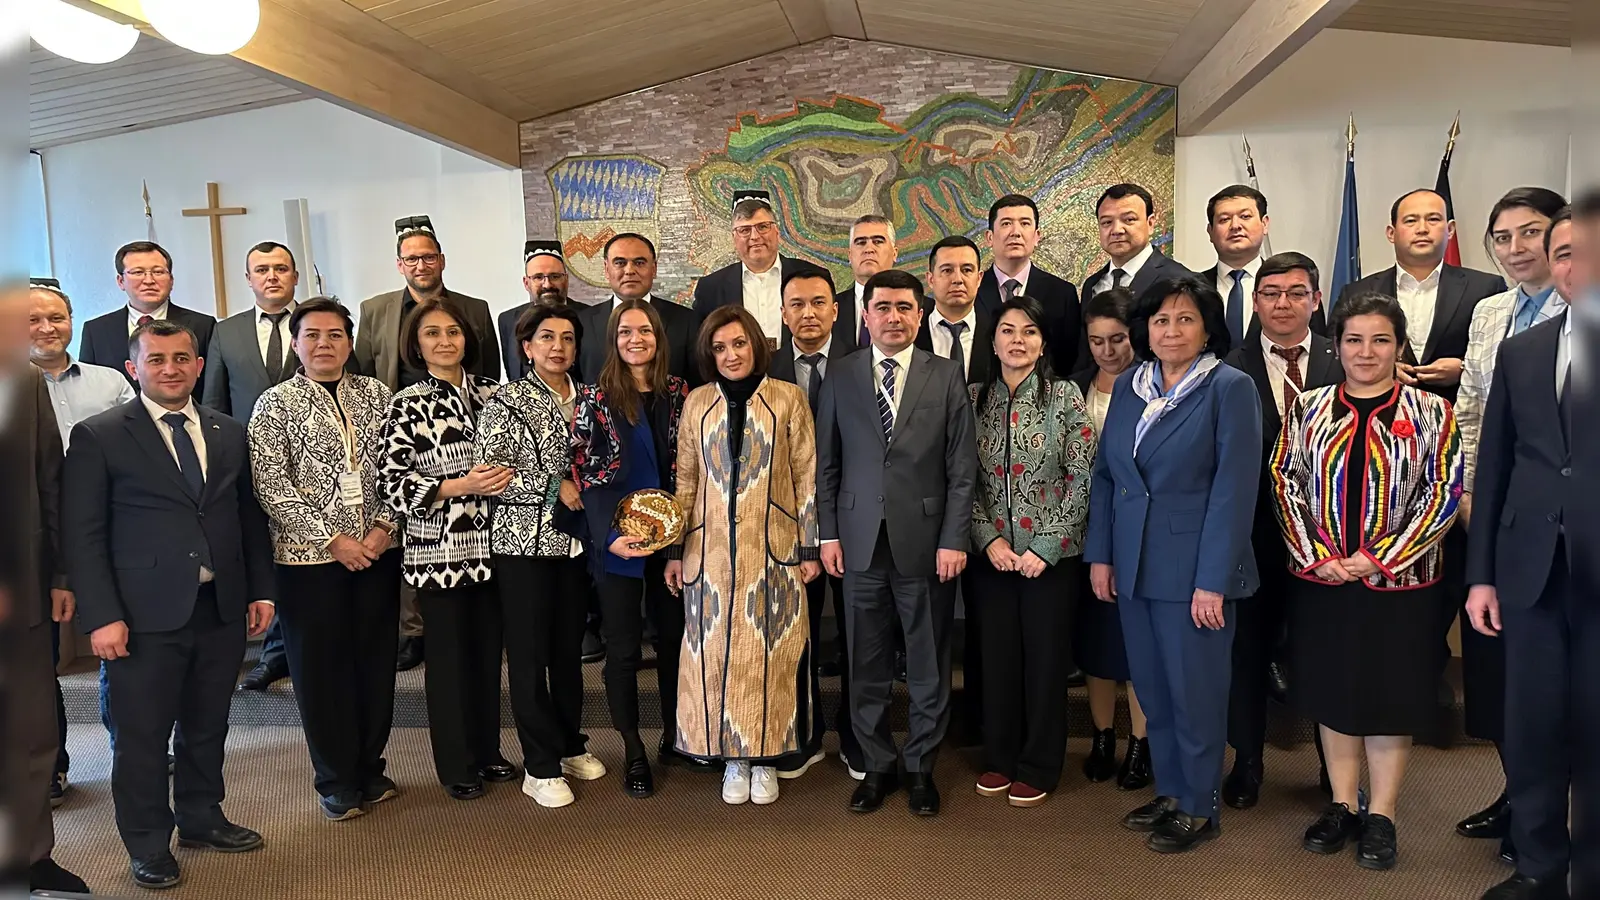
column 1185, row 481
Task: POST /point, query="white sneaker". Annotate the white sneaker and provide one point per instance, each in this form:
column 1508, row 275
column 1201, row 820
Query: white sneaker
column 736, row 783
column 551, row 793
column 763, row 785
column 819, row 756
column 858, row 776
column 584, row 767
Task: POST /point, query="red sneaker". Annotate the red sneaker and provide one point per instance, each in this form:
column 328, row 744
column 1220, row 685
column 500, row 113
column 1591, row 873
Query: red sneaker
column 993, row 784
column 1024, row 795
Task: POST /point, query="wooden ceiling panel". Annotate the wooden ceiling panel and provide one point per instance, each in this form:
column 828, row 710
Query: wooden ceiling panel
column 1547, row 22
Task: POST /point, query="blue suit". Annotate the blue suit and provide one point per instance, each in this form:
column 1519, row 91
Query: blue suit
column 1173, row 520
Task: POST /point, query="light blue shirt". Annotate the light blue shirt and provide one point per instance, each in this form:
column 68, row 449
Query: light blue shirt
column 83, row 390
column 1527, row 309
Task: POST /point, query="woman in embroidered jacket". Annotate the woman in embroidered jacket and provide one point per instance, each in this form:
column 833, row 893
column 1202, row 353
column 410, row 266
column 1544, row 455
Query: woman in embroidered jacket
column 316, row 442
column 1035, row 447
column 429, row 478
column 747, row 478
column 526, row 427
column 1368, row 480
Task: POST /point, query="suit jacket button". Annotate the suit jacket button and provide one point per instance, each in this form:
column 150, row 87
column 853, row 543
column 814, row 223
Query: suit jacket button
column 1566, row 472
column 1553, row 518
column 1124, row 492
column 886, row 464
column 194, row 556
column 880, row 499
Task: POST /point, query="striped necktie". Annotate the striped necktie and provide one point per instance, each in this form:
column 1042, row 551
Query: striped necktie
column 885, row 408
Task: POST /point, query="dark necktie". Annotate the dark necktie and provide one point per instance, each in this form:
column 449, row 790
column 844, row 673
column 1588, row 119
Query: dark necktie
column 958, row 354
column 1118, row 276
column 813, row 361
column 146, row 320
column 188, row 459
column 275, row 347
column 1009, row 289
column 885, row 408
column 1296, row 382
column 1236, row 307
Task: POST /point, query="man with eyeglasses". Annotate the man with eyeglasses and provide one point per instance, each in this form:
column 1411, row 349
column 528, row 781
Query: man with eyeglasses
column 1285, row 360
column 756, row 280
column 144, row 273
column 545, row 279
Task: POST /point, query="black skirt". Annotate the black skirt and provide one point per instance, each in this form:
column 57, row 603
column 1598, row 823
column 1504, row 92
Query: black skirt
column 1097, row 636
column 1364, row 662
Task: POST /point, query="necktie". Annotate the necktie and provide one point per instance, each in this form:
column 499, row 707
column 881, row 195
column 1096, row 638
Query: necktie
column 275, row 347
column 885, row 408
column 958, row 354
column 1117, row 277
column 146, row 320
column 1236, row 307
column 1009, row 289
column 813, row 361
column 188, row 459
column 1296, row 382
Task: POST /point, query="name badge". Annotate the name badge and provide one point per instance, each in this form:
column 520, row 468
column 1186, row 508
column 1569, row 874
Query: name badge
column 350, row 489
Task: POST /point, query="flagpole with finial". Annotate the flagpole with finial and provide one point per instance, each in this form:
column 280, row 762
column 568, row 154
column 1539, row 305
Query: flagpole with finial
column 1347, row 256
column 1452, row 250
column 1350, row 139
column 1455, row 132
column 149, row 218
column 1250, row 168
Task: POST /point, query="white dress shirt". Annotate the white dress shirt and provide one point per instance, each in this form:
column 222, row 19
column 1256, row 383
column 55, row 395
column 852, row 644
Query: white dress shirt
column 197, row 435
column 861, row 309
column 940, row 336
column 134, row 316
column 1278, row 367
column 1563, row 354
column 763, row 297
column 264, row 332
column 904, row 369
column 1246, row 284
column 1132, row 267
column 802, row 371
column 1418, row 299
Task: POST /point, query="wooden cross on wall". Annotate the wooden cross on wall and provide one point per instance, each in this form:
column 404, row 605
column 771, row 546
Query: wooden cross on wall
column 214, row 211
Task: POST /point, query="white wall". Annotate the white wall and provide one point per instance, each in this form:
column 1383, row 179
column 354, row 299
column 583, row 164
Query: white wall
column 357, row 175
column 1404, row 92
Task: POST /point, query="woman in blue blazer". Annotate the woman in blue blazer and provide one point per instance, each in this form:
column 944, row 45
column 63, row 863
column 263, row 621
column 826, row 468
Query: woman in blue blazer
column 1170, row 514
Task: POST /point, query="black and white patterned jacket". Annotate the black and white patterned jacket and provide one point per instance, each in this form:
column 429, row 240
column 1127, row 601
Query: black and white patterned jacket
column 298, row 452
column 522, row 428
column 428, row 438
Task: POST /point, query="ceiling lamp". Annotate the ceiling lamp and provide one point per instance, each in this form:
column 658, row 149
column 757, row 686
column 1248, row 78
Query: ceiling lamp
column 205, row 26
column 77, row 34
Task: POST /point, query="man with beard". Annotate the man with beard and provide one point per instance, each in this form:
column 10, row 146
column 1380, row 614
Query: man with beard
column 545, row 279
column 144, row 273
column 756, row 280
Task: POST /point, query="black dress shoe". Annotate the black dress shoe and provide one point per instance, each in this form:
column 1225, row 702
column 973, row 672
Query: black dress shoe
column 1335, row 828
column 1181, row 832
column 1521, row 887
column 1077, row 678
column 499, row 772
column 637, row 779
column 378, row 789
column 1508, row 851
column 466, row 790
column 872, row 791
column 46, row 875
column 263, row 676
column 158, row 871
column 594, row 649
column 669, row 755
column 1242, row 788
column 1135, row 772
column 410, row 655
column 1277, row 682
column 1493, row 821
column 921, row 795
column 1148, row 816
column 1378, row 847
column 225, row 838
column 828, row 668
column 1102, row 761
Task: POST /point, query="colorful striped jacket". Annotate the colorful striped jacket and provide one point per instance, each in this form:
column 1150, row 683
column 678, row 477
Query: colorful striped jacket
column 1409, row 489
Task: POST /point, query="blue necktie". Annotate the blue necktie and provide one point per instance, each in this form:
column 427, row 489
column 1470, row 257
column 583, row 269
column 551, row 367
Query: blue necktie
column 188, row 459
column 885, row 409
column 1236, row 307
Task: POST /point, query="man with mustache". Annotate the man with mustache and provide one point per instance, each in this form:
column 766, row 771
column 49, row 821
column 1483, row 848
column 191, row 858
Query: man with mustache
column 1013, row 237
column 756, row 280
column 544, row 277
column 144, row 273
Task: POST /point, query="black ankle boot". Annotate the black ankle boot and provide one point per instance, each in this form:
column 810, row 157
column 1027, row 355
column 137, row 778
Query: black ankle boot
column 1135, row 772
column 1102, row 762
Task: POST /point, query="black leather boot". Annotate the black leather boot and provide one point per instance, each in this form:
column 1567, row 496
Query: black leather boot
column 1135, row 772
column 1102, row 762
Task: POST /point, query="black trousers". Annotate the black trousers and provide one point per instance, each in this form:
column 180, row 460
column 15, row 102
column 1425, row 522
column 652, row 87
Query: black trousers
column 973, row 693
column 1026, row 624
column 63, row 759
column 623, row 627
column 340, row 635
column 1255, row 640
column 462, row 679
column 183, row 678
column 543, row 602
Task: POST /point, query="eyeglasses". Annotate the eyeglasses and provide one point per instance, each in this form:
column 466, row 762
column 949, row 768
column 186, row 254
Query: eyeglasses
column 762, row 228
column 416, row 262
column 551, row 278
column 141, row 274
column 1273, row 295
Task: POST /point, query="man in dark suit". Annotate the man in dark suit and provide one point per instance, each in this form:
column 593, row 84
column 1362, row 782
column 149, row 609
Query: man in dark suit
column 872, row 249
column 630, row 261
column 956, row 326
column 144, row 273
column 896, row 466
column 172, row 566
column 1526, row 539
column 1126, row 214
column 250, row 352
column 1013, row 236
column 1284, row 358
column 1237, row 225
column 756, row 280
column 544, row 277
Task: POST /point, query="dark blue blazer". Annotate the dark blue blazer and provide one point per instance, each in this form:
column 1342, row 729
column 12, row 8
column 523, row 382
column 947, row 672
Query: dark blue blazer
column 1179, row 517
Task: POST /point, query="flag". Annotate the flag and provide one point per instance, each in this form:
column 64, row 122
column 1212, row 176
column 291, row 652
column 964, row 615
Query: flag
column 149, row 220
column 1347, row 259
column 1452, row 250
column 1250, row 166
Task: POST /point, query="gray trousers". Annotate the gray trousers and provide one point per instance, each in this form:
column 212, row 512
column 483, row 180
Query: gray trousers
column 925, row 608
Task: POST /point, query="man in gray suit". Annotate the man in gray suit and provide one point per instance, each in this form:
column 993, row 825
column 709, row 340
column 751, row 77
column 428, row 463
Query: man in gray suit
column 250, row 352
column 896, row 464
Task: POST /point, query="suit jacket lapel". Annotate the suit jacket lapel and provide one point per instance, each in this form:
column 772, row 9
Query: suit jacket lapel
column 1452, row 290
column 866, row 380
column 144, row 432
column 213, row 451
column 387, row 340
column 916, row 380
column 1324, row 367
column 1253, row 362
column 1147, row 274
column 1173, row 421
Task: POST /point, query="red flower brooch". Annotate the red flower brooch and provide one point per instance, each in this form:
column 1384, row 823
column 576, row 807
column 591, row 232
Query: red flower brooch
column 1404, row 429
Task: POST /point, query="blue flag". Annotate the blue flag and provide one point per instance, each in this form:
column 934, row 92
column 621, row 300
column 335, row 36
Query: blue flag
column 1347, row 260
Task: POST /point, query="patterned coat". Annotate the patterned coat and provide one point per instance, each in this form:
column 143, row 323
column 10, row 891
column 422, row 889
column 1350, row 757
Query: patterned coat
column 427, row 439
column 1491, row 321
column 1033, row 469
column 751, row 522
column 1409, row 490
column 522, row 427
column 297, row 453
